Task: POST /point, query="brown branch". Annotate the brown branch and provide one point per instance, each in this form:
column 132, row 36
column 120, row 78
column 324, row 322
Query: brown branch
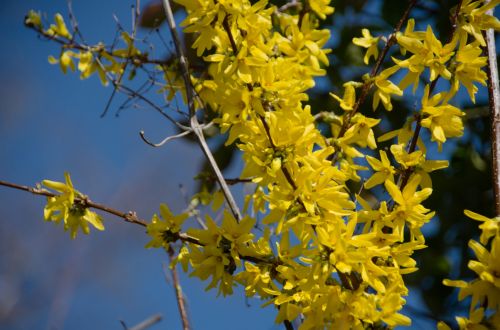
column 195, row 125
column 376, row 68
column 494, row 104
column 303, row 11
column 137, row 60
column 178, row 291
column 130, row 216
column 404, row 177
column 84, row 201
column 288, row 325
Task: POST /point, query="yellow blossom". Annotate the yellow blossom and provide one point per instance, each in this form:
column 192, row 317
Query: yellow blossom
column 441, row 118
column 59, row 29
column 385, row 88
column 349, row 99
column 163, row 229
column 490, row 227
column 74, row 214
column 384, row 170
column 367, row 42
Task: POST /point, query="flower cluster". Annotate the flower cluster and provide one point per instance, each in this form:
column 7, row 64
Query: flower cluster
column 485, row 289
column 69, row 207
column 325, row 252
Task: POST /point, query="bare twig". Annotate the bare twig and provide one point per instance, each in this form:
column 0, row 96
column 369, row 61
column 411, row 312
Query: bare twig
column 192, row 111
column 147, row 322
column 291, row 4
column 178, row 291
column 84, row 201
column 494, row 103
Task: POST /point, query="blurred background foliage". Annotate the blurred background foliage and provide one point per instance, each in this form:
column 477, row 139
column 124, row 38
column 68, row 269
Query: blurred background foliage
column 466, row 184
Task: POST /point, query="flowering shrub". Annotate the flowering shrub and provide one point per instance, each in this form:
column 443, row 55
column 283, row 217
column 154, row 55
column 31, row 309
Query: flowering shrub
column 325, row 254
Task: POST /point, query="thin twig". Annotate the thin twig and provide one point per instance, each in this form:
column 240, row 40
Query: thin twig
column 84, row 201
column 147, row 322
column 195, row 125
column 494, row 103
column 376, row 68
column 178, row 291
column 289, row 5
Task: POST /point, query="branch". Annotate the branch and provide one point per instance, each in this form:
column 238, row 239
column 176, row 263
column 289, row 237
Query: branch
column 494, row 104
column 288, row 325
column 378, row 65
column 195, row 125
column 403, row 179
column 131, row 217
column 147, row 323
column 84, row 201
column 178, row 291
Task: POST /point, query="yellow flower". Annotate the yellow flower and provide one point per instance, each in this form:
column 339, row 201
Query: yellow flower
column 59, row 29
column 473, row 18
column 441, row 118
column 349, row 99
column 404, row 158
column 33, row 19
column 75, row 214
column 367, row 42
column 409, row 208
column 360, row 132
column 163, row 229
column 489, row 228
column 385, row 88
column 428, row 52
column 468, row 68
column 65, row 61
column 383, row 170
column 321, row 8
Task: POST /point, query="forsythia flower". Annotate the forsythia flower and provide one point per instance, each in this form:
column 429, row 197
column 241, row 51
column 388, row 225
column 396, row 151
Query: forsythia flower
column 409, row 208
column 164, row 229
column 349, row 99
column 321, row 7
column 33, row 19
column 441, row 118
column 489, row 228
column 473, row 18
column 325, row 253
column 367, row 42
column 384, row 170
column 59, row 29
column 485, row 289
column 468, row 68
column 65, row 61
column 74, row 214
column 385, row 88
